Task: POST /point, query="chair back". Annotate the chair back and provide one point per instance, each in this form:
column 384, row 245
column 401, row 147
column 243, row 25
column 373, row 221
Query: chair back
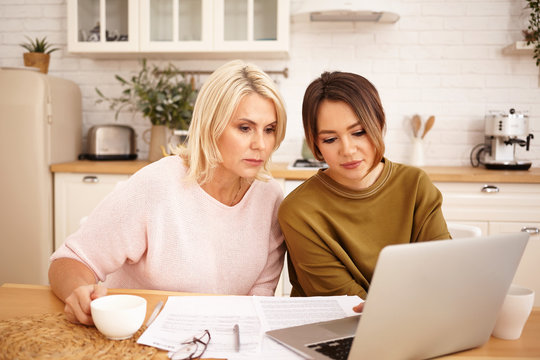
column 463, row 230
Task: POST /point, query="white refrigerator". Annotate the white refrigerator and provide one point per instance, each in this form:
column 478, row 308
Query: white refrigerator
column 40, row 124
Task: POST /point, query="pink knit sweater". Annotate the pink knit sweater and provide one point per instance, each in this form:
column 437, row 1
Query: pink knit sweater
column 158, row 232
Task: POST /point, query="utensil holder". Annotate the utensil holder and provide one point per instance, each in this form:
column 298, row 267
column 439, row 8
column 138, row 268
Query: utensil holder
column 417, row 154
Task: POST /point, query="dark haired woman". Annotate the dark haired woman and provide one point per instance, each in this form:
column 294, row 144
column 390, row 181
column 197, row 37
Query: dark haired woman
column 336, row 223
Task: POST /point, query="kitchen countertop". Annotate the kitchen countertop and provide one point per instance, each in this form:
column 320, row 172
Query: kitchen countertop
column 282, row 171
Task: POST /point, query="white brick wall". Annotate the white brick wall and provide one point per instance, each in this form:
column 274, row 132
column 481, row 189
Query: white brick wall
column 442, row 58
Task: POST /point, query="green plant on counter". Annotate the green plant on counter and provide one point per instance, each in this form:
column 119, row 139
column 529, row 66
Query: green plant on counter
column 162, row 95
column 38, row 46
column 532, row 34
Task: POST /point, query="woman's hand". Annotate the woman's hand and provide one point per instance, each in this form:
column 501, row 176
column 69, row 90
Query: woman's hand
column 359, row 308
column 77, row 307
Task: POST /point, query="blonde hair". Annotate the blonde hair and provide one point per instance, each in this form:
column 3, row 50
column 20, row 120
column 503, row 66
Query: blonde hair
column 214, row 107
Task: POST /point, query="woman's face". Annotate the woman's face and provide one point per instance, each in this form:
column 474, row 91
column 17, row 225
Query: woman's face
column 250, row 136
column 345, row 146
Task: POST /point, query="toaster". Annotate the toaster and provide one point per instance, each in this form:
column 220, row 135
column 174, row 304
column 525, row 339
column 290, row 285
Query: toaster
column 110, row 142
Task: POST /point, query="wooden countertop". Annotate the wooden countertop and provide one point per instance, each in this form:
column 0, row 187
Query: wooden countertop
column 126, row 167
column 281, row 171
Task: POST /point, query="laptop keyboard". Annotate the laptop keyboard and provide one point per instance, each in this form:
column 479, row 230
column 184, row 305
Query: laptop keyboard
column 335, row 349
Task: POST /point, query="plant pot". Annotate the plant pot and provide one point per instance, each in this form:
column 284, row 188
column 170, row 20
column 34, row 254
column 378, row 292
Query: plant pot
column 37, row 60
column 159, row 140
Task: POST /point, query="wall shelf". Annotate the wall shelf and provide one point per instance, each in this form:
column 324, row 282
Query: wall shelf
column 519, row 48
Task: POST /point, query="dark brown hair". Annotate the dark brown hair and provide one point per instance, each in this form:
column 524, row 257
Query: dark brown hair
column 357, row 92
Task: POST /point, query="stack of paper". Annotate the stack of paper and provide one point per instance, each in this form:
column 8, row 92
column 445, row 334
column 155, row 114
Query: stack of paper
column 186, row 316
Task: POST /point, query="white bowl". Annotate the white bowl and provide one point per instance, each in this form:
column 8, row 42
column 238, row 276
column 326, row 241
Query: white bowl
column 118, row 317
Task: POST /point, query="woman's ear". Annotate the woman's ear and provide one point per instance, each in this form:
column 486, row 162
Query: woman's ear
column 318, row 154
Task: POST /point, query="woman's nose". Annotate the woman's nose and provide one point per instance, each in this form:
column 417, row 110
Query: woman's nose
column 347, row 146
column 258, row 141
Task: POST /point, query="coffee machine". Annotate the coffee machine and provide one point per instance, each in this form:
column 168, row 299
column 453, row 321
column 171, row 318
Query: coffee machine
column 504, row 131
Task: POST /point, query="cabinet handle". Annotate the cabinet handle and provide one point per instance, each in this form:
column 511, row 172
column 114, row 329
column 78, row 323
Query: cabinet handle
column 90, row 179
column 530, row 230
column 490, row 189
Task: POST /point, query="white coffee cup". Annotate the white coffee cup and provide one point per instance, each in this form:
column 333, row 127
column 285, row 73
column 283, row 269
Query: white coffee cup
column 118, row 317
column 514, row 313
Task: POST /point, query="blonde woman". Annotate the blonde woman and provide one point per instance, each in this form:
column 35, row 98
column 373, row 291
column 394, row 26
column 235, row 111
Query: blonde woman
column 204, row 220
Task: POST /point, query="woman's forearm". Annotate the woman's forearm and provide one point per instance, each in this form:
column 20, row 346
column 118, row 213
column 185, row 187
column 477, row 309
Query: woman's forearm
column 65, row 275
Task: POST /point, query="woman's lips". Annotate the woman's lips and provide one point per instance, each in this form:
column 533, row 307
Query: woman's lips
column 351, row 164
column 254, row 162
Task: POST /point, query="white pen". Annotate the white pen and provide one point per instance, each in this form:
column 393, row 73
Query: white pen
column 155, row 313
column 236, row 331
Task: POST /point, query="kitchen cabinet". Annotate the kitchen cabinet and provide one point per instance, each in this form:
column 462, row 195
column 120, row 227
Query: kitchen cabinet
column 75, row 196
column 176, row 26
column 197, row 27
column 490, row 205
column 251, row 25
column 102, row 26
column 500, row 208
column 528, row 272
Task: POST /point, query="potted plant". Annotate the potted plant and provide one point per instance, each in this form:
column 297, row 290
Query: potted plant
column 532, row 34
column 38, row 54
column 161, row 95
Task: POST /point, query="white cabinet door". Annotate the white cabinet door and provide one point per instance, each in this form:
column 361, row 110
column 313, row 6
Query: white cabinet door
column 176, row 25
column 75, row 196
column 251, row 25
column 102, row 26
column 528, row 272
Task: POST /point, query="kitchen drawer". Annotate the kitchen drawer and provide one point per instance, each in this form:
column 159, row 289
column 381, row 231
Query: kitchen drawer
column 533, row 228
column 490, row 202
column 75, row 196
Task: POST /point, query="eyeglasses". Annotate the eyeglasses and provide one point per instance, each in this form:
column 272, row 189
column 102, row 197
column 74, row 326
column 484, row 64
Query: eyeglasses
column 192, row 349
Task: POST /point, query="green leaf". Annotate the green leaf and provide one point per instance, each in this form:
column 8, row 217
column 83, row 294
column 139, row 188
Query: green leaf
column 161, row 94
column 38, row 45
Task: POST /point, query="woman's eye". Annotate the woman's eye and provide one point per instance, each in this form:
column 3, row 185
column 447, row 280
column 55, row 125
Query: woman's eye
column 270, row 129
column 359, row 133
column 328, row 140
column 244, row 128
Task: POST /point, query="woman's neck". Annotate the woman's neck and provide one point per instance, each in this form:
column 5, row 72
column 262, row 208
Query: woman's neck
column 228, row 190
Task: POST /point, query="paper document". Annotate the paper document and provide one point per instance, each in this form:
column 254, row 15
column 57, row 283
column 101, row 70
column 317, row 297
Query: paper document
column 186, row 316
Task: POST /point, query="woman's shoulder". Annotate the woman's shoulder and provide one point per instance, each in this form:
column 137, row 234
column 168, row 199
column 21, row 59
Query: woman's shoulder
column 159, row 174
column 308, row 191
column 408, row 176
column 166, row 165
column 407, row 172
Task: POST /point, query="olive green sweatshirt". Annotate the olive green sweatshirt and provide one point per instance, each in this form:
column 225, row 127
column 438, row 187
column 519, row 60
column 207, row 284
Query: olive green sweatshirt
column 334, row 234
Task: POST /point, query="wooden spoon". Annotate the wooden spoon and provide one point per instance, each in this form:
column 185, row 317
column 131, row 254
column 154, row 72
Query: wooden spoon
column 416, row 124
column 429, row 124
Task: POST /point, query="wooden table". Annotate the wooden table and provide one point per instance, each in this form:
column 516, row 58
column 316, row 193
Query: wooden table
column 20, row 300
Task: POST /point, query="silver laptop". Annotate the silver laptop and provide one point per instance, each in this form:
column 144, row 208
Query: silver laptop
column 425, row 300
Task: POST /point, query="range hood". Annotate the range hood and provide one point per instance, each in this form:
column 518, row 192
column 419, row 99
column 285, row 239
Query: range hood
column 347, row 10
